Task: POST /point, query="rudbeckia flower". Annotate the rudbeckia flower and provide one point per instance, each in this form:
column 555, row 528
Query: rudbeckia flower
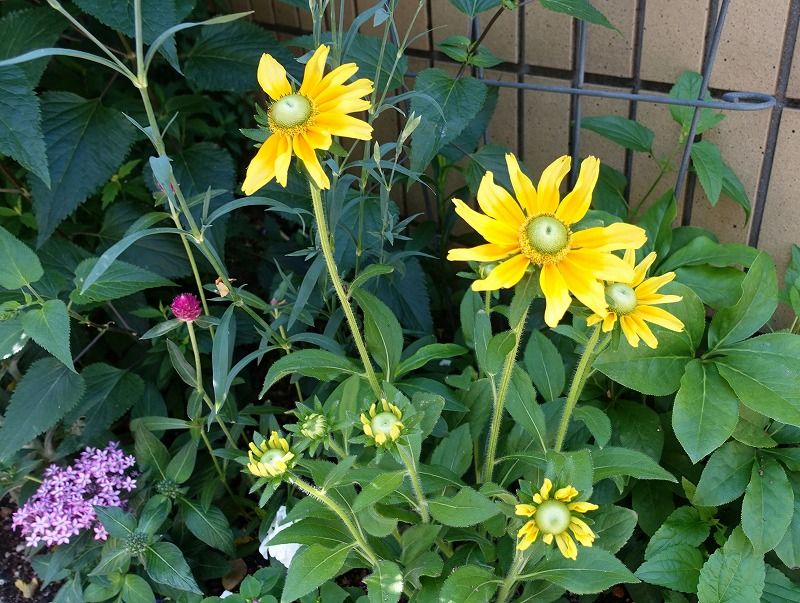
column 535, row 228
column 633, row 302
column 554, row 518
column 271, row 458
column 304, row 120
column 382, row 424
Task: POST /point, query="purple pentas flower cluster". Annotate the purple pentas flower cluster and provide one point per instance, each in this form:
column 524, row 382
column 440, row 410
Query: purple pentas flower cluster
column 64, row 503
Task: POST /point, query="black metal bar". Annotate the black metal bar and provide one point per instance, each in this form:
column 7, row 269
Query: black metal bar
column 520, row 80
column 638, row 45
column 576, row 110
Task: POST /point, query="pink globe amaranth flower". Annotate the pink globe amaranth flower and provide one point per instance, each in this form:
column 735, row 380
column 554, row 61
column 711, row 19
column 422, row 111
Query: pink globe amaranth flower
column 186, row 307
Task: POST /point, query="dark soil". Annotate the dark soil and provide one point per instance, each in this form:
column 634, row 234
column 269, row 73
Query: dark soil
column 16, row 573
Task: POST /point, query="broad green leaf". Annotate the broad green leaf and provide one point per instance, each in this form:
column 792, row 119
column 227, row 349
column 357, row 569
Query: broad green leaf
column 382, row 486
column 613, row 526
column 135, row 589
column 12, row 337
column 545, row 366
column 458, row 49
column 454, row 452
column 154, row 513
column 25, row 30
column 703, row 250
column 48, row 326
column 657, row 221
column 489, row 158
column 717, row 287
column 47, row 391
column 185, row 370
column 181, row 465
column 382, row 331
column 709, row 167
column 150, row 452
column 165, row 564
column 688, row 86
column 117, row 522
column 733, row 573
column 613, row 461
column 86, row 143
column 676, row 567
column 763, row 373
column 319, row 364
column 767, row 506
column 162, row 328
column 754, row 308
column 778, row 588
column 580, row 9
column 113, row 558
column 497, row 351
column 120, row 280
column 725, row 476
column 469, row 584
column 593, row 571
column 522, row 406
column 596, row 421
column 322, row 529
column 370, row 272
column 20, row 266
column 385, row 583
column 625, row 132
column 653, row 503
column 684, row 526
column 706, row 410
column 209, row 525
column 637, row 426
column 732, row 187
column 428, row 353
column 473, row 7
column 788, row 550
column 466, row 508
column 312, row 566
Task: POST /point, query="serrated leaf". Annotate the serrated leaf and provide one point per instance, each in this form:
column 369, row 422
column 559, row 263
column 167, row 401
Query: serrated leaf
column 676, row 567
column 725, row 475
column 25, row 30
column 20, row 266
column 385, row 583
column 120, row 280
column 688, row 86
column 382, row 331
column 48, row 326
column 377, row 489
column 469, row 584
column 733, row 574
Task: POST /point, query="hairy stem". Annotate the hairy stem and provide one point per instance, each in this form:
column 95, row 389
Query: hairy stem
column 510, row 581
column 416, row 483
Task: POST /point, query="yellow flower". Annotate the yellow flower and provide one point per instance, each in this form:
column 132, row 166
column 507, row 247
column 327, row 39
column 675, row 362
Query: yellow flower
column 385, row 426
column 535, row 228
column 632, row 301
column 304, row 120
column 555, row 518
column 271, row 459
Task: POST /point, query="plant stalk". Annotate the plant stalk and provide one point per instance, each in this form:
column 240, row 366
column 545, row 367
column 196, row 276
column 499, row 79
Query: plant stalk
column 416, row 483
column 510, row 581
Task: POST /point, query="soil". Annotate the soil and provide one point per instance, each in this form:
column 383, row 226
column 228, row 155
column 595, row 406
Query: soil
column 18, row 582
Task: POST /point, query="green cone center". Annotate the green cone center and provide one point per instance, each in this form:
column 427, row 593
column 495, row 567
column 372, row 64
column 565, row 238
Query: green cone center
column 552, row 517
column 383, row 423
column 272, row 455
column 290, row 111
column 547, row 234
column 621, row 298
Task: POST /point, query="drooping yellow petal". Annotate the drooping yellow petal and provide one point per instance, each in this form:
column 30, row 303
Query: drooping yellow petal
column 496, row 203
column 547, row 486
column 575, row 205
column 609, row 321
column 548, row 193
column 317, row 138
column 314, row 70
column 491, row 230
column 504, row 275
column 527, row 535
column 309, row 158
column 482, row 253
column 525, row 510
column 262, row 167
column 567, row 546
column 655, row 299
column 272, row 77
column 565, row 494
column 283, row 158
column 644, row 331
column 629, row 330
column 640, row 272
column 582, row 506
column 581, row 531
column 330, row 96
column 523, row 187
column 583, row 285
column 659, row 317
column 610, row 238
column 594, row 319
column 339, row 124
column 601, row 265
column 556, row 294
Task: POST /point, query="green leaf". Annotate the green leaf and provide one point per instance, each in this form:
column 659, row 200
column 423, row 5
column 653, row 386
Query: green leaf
column 767, row 506
column 209, row 525
column 12, row 337
column 596, row 421
column 370, row 272
column 182, row 464
column 778, row 588
column 222, row 355
column 154, row 514
column 725, row 475
column 625, row 132
column 135, row 589
column 732, row 187
column 185, row 370
column 312, row 566
column 706, row 410
column 717, row 287
column 47, row 391
column 150, row 452
column 593, row 571
column 454, row 452
column 677, row 567
column 703, row 250
column 733, row 574
column 447, row 106
column 382, row 331
column 466, row 508
column 473, row 7
column 428, row 353
column 319, row 364
column 497, row 351
column 377, row 489
column 755, row 307
column 20, row 266
column 613, row 526
column 684, row 526
column 688, row 86
column 545, row 366
column 120, row 280
column 48, row 326
column 657, row 221
column 708, row 164
column 25, row 30
column 165, row 564
column 385, row 583
column 580, row 9
column 612, row 461
column 788, row 550
column 762, row 371
column 117, row 522
column 636, row 426
column 86, row 143
column 458, row 49
column 522, row 406
column 469, row 584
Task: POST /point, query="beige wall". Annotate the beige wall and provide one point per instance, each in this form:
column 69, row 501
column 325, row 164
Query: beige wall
column 749, row 58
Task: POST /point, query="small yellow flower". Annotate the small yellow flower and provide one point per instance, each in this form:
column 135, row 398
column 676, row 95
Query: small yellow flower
column 632, row 302
column 272, row 458
column 534, row 227
column 304, row 120
column 385, row 426
column 554, row 517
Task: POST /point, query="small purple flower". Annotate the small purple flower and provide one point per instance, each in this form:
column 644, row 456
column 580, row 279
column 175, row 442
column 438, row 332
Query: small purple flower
column 186, row 307
column 63, row 505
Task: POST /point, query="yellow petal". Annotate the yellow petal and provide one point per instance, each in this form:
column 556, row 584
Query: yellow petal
column 255, row 450
column 482, row 253
column 283, row 159
column 317, row 138
column 594, row 319
column 584, row 285
column 380, row 438
column 547, row 538
column 575, row 205
column 659, row 317
column 491, row 230
column 497, row 203
column 566, row 494
column 582, row 506
column 340, row 124
column 272, row 77
column 644, row 331
column 262, row 167
column 567, row 546
column 524, row 190
column 525, row 510
column 504, row 275
column 309, row 158
column 652, row 285
column 610, row 238
column 314, row 70
column 581, row 531
column 548, row 194
column 601, row 265
column 655, row 299
column 641, row 269
column 527, row 535
column 556, row 294
column 609, row 321
column 629, row 330
column 332, row 82
column 544, row 491
column 330, row 98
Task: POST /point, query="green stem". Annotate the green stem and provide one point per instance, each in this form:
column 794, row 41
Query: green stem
column 338, row 450
column 510, row 581
column 576, row 387
column 348, row 522
column 216, row 462
column 416, row 483
column 500, row 399
column 330, row 262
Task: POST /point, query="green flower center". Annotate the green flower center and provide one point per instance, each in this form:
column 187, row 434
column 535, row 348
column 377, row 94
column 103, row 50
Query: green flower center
column 315, row 426
column 621, row 298
column 552, row 517
column 272, row 455
column 383, row 423
column 291, row 111
column 136, row 543
column 544, row 239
